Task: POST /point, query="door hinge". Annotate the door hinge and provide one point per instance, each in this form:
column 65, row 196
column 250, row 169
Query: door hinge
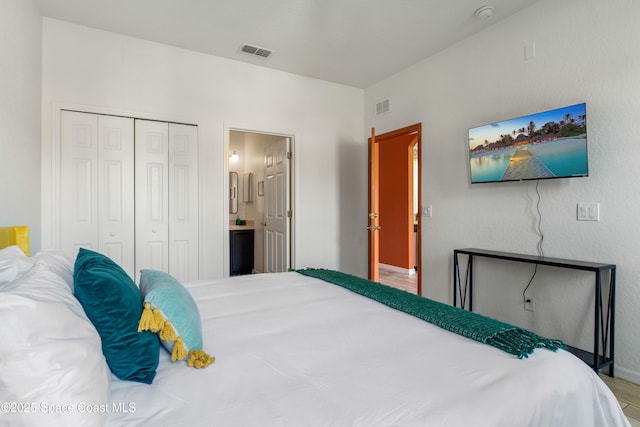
column 289, row 214
column 289, row 155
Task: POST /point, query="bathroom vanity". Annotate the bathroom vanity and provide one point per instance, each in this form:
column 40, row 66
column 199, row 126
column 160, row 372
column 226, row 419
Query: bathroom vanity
column 241, row 242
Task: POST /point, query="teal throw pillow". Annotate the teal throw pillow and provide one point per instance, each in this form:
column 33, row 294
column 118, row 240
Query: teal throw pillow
column 113, row 303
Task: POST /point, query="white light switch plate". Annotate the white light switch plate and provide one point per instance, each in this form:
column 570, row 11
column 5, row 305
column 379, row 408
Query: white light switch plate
column 588, row 211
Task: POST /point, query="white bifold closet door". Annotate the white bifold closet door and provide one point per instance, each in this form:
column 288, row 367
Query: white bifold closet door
column 129, row 190
column 166, row 203
column 96, row 191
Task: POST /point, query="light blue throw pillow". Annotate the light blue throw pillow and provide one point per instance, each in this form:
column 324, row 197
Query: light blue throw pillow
column 175, row 317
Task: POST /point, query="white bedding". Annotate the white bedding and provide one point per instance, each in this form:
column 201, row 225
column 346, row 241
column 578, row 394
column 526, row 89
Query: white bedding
column 295, row 351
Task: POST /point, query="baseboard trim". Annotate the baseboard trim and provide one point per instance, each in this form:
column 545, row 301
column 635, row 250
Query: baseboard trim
column 396, row 269
column 625, row 374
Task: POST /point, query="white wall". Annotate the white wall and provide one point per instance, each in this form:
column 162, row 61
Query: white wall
column 586, row 50
column 104, row 72
column 20, row 59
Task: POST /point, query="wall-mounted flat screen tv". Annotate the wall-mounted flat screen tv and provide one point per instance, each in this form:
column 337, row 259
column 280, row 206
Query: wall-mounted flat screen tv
column 549, row 144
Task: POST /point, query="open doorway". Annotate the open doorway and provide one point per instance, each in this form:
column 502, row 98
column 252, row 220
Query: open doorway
column 395, row 200
column 262, row 163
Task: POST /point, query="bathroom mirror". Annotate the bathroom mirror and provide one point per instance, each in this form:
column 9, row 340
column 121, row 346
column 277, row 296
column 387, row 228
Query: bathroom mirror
column 233, row 192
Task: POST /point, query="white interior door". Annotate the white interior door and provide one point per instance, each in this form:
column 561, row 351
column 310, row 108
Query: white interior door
column 116, row 191
column 183, row 201
column 96, row 186
column 78, row 182
column 152, row 201
column 277, row 207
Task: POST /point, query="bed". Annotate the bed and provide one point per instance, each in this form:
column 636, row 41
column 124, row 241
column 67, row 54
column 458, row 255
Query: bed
column 290, row 350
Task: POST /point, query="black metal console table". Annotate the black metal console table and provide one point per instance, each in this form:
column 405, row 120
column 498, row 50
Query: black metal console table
column 603, row 329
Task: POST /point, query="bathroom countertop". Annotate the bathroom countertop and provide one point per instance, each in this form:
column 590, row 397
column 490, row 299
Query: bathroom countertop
column 248, row 226
column 241, row 227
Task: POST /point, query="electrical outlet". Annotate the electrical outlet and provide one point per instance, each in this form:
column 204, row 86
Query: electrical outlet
column 528, row 304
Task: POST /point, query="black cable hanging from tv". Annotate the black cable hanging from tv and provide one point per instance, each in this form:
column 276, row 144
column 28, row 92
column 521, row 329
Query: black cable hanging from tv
column 539, row 245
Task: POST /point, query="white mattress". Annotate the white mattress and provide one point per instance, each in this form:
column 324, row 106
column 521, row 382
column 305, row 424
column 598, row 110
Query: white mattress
column 292, row 350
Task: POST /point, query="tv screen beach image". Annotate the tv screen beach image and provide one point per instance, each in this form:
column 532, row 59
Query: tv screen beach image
column 550, row 144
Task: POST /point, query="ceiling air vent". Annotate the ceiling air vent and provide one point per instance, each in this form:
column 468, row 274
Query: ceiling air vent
column 382, row 107
column 255, row 50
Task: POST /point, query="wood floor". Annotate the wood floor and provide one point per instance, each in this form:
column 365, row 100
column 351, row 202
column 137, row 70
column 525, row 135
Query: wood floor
column 627, row 393
column 406, row 282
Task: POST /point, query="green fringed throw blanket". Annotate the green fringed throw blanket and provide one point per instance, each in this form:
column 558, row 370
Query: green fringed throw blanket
column 509, row 338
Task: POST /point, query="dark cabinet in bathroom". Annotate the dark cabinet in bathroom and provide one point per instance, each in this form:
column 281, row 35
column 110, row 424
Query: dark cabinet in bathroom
column 241, row 251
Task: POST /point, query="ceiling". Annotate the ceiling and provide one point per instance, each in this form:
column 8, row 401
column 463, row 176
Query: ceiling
column 353, row 42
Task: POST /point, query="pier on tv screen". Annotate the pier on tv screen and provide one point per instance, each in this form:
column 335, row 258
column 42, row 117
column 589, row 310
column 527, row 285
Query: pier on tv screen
column 545, row 145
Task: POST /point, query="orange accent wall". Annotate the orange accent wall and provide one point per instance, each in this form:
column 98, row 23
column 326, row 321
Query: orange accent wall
column 397, row 246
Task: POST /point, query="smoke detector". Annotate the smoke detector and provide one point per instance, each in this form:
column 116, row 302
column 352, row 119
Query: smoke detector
column 256, row 50
column 484, row 12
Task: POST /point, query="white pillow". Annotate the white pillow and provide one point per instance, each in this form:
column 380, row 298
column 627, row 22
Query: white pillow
column 11, row 269
column 12, row 252
column 51, row 355
column 58, row 263
column 13, row 263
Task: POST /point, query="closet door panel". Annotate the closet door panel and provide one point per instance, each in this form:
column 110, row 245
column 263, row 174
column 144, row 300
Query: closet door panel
column 78, row 182
column 151, row 201
column 96, row 186
column 116, row 195
column 183, row 201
